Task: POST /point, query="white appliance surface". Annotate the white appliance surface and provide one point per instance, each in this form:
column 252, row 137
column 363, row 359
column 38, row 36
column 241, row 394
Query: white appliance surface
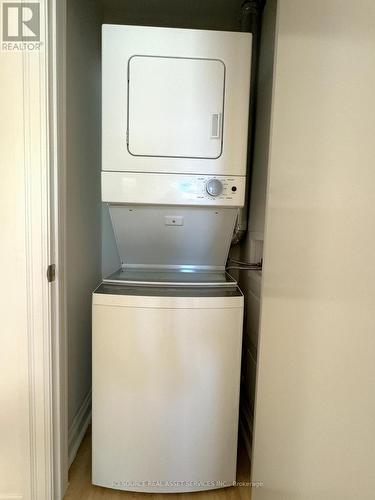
column 172, row 189
column 175, row 100
column 173, row 237
column 166, row 377
column 166, row 113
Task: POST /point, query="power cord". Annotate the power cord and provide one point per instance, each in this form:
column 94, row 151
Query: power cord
column 244, row 266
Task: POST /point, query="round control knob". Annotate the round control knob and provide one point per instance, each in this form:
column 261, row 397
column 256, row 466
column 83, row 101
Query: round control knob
column 214, row 187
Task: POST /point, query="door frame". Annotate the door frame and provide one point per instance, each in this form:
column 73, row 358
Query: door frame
column 57, row 134
column 46, row 340
column 43, row 77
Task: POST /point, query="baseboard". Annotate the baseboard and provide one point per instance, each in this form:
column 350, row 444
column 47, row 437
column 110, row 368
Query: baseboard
column 78, row 428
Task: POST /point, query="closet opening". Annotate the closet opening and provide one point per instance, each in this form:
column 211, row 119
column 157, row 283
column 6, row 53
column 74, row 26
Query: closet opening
column 93, row 228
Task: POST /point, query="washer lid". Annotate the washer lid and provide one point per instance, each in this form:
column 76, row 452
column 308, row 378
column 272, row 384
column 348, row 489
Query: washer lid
column 173, row 237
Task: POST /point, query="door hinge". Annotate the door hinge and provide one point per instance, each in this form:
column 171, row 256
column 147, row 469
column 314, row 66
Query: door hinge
column 51, row 273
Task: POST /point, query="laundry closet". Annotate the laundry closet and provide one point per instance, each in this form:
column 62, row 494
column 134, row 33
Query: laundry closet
column 152, row 221
column 301, row 251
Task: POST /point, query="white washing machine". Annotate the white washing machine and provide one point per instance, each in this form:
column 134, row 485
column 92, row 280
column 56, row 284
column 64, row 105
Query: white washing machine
column 166, row 378
column 167, row 326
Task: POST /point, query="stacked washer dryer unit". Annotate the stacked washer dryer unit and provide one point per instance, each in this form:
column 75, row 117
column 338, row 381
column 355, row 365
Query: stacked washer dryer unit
column 167, row 326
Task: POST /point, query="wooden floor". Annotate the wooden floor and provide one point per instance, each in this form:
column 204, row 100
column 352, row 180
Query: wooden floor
column 80, row 487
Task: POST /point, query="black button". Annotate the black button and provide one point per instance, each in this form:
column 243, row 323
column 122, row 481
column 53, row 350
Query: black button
column 234, row 188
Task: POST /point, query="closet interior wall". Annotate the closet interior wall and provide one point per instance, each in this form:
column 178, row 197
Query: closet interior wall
column 91, row 251
column 83, row 204
column 250, row 248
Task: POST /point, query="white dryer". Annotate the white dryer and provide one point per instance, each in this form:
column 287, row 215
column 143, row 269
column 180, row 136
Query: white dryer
column 175, row 100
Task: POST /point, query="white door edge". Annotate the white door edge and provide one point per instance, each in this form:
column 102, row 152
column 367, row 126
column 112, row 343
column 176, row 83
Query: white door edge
column 39, row 292
column 57, row 169
column 57, row 128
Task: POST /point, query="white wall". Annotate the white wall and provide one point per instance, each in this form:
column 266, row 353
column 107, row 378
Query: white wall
column 83, row 224
column 315, row 408
column 14, row 425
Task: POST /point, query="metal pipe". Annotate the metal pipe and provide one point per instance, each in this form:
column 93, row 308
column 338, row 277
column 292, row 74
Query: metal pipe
column 250, row 21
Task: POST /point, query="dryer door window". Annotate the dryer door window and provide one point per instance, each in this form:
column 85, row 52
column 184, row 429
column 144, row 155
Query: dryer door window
column 175, row 107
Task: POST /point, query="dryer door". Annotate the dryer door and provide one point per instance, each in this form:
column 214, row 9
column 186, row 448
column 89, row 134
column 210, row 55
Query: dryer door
column 175, row 107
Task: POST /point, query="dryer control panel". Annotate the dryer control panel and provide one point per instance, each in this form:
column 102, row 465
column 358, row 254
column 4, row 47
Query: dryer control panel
column 173, row 189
